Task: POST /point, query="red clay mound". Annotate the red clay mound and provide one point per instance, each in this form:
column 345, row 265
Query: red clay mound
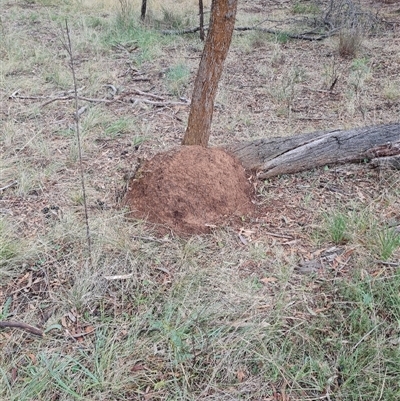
column 189, row 188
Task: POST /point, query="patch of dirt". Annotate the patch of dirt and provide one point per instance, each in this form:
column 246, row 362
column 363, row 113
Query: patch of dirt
column 190, row 188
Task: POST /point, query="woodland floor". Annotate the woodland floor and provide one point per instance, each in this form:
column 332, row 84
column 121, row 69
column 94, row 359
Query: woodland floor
column 297, row 288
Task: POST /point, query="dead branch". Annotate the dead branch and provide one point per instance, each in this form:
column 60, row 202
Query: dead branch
column 303, row 36
column 120, row 98
column 181, row 31
column 107, row 101
column 139, row 92
column 22, row 326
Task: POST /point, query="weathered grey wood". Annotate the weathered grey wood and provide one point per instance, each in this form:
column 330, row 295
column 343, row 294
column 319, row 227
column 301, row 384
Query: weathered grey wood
column 392, row 162
column 281, row 155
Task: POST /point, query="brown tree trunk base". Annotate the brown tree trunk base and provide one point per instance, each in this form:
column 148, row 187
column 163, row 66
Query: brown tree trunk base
column 215, row 50
column 269, row 157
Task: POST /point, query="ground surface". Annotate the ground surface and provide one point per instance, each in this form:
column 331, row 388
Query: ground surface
column 297, row 302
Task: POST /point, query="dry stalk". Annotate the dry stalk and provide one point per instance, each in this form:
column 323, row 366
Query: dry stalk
column 68, row 46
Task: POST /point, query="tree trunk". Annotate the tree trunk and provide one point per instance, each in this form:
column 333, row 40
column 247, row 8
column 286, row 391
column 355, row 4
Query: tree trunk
column 143, row 10
column 275, row 156
column 201, row 20
column 216, row 48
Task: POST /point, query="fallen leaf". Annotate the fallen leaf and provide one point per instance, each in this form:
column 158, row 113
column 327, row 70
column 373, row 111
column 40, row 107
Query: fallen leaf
column 64, row 322
column 243, row 240
column 137, row 367
column 240, row 375
column 14, row 375
column 246, row 233
column 32, row 357
column 71, row 316
column 267, row 280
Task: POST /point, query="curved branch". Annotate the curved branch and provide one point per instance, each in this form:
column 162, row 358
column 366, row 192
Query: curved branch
column 22, row 326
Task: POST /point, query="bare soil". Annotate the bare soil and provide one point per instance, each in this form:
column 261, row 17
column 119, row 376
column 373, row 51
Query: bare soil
column 190, row 189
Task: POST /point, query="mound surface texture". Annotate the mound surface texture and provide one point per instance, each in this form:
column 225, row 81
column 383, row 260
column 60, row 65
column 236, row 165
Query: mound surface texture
column 190, row 188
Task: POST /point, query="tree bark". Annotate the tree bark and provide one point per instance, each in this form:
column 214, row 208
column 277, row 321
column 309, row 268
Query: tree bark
column 216, row 48
column 201, row 20
column 280, row 155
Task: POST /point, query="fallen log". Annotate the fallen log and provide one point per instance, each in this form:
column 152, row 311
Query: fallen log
column 270, row 157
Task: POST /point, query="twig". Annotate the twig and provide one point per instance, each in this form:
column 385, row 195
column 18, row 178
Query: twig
column 68, row 47
column 390, row 264
column 181, row 31
column 158, row 104
column 113, row 88
column 9, row 185
column 87, row 99
column 14, row 93
column 365, row 336
column 82, row 333
column 12, row 96
column 278, row 235
column 22, row 326
column 139, row 92
column 150, row 239
column 107, row 101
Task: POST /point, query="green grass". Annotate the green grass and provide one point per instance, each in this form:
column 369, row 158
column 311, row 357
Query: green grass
column 300, row 7
column 389, row 241
column 177, row 78
column 207, row 330
column 337, row 228
column 7, row 244
column 130, row 34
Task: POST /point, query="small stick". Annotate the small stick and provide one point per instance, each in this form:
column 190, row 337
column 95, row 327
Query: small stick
column 159, row 104
column 87, row 99
column 9, row 185
column 68, row 48
column 22, row 326
column 139, row 92
column 278, row 235
column 15, row 93
column 82, row 334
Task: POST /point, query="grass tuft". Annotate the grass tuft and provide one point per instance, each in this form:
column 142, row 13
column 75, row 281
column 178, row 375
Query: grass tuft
column 337, row 228
column 177, row 78
column 350, row 42
column 389, row 241
column 7, row 244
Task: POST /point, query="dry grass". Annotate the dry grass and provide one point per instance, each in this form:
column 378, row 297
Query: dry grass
column 349, row 43
column 300, row 304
